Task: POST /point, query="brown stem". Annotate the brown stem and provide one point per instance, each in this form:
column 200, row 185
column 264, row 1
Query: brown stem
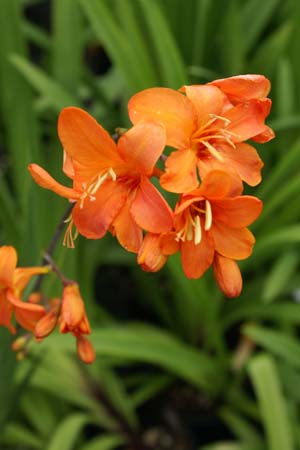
column 51, row 247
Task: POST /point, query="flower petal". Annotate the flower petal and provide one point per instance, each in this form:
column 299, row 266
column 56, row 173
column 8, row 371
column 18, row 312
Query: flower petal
column 8, row 262
column 6, row 310
column 86, row 142
column 247, row 119
column 169, row 107
column 244, row 87
column 44, row 179
column 142, row 145
column 27, row 315
column 129, row 234
column 216, row 184
column 228, row 276
column 95, row 217
column 23, row 275
column 207, row 100
column 180, row 172
column 265, row 136
column 245, row 160
column 150, row 210
column 207, row 165
column 237, row 212
column 150, row 257
column 233, row 243
column 196, row 259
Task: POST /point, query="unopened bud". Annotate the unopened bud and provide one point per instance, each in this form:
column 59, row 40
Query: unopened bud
column 85, row 350
column 34, row 297
column 19, row 343
column 46, row 325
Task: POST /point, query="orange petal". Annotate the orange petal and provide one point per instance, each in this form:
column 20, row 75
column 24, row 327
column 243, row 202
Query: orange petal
column 234, row 243
column 196, row 259
column 86, row 142
column 207, row 165
column 27, row 315
column 45, row 180
column 95, row 217
column 244, row 87
column 181, row 172
column 169, row 107
column 85, row 350
column 8, row 262
column 265, row 136
column 23, row 275
column 142, row 145
column 207, row 100
column 168, row 243
column 247, row 119
column 246, row 162
column 228, row 276
column 237, row 212
column 150, row 257
column 150, row 210
column 216, row 184
column 68, row 167
column 129, row 234
column 6, row 310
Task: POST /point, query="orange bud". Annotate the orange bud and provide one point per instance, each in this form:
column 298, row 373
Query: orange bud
column 73, row 317
column 85, row 350
column 46, row 325
column 35, row 297
column 150, row 256
column 19, row 343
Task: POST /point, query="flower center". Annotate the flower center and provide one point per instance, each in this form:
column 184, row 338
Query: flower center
column 198, row 215
column 91, row 190
column 213, row 132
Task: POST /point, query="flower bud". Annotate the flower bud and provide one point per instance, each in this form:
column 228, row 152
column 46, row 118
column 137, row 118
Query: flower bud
column 46, row 325
column 85, row 350
column 73, row 317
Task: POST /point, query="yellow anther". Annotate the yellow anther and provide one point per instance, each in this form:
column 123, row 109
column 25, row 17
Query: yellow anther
column 208, row 216
column 198, row 231
column 213, row 151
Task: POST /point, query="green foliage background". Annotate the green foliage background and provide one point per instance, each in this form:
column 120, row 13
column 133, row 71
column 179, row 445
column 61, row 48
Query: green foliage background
column 239, row 359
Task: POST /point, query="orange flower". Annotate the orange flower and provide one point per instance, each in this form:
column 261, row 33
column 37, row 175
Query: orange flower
column 210, row 229
column 12, row 283
column 208, row 126
column 111, row 186
column 73, row 316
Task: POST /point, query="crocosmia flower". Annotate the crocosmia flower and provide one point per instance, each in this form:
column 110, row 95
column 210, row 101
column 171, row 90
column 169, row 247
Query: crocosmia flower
column 210, row 230
column 13, row 281
column 208, row 125
column 111, row 182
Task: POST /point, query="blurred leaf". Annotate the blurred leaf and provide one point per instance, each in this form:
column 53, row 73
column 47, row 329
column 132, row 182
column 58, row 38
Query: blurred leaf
column 279, row 275
column 105, row 442
column 266, row 383
column 18, row 435
column 152, row 345
column 67, row 43
column 277, row 342
column 116, row 43
column 56, row 96
column 257, row 14
column 287, row 312
column 7, row 368
column 66, row 435
column 169, row 60
column 232, row 51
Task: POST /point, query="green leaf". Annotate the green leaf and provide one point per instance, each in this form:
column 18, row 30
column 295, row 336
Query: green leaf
column 7, row 368
column 149, row 344
column 169, row 60
column 56, row 96
column 257, row 14
column 17, row 435
column 273, row 408
column 66, row 434
column 279, row 275
column 277, row 342
column 67, row 43
column 116, row 43
column 287, row 312
column 105, row 442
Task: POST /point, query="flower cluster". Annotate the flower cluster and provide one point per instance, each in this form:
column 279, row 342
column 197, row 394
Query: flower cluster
column 203, row 130
column 40, row 320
